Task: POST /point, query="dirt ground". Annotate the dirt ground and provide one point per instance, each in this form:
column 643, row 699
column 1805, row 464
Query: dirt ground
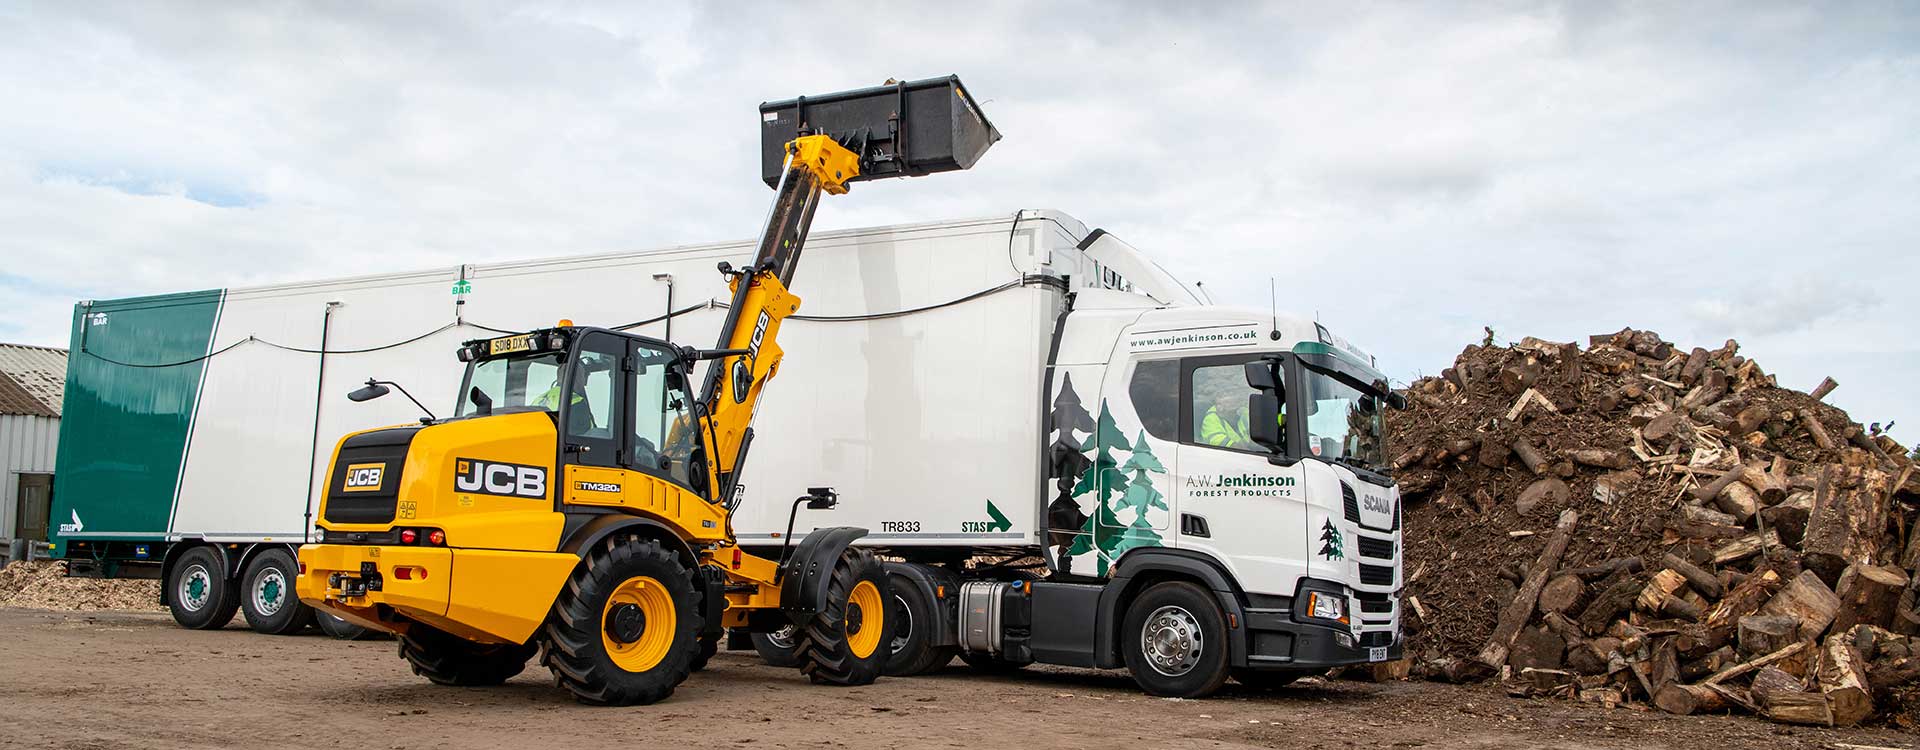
column 123, row 679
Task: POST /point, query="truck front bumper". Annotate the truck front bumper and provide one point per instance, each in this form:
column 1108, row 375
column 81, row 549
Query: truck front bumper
column 1276, row 641
column 498, row 597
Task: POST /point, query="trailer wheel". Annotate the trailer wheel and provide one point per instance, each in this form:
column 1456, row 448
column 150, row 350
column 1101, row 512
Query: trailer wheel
column 341, row 629
column 198, row 592
column 447, row 659
column 266, row 595
column 911, row 650
column 846, row 642
column 625, row 629
column 778, row 648
column 1174, row 641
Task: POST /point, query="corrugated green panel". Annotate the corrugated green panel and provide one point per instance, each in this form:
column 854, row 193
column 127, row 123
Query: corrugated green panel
column 132, row 381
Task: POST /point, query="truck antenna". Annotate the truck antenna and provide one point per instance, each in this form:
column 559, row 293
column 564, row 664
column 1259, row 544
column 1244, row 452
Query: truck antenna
column 1273, row 299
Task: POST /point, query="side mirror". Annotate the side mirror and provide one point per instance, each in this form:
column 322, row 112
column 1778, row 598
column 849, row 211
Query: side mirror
column 1397, row 400
column 368, row 392
column 1263, row 421
column 482, row 404
column 675, row 381
column 1260, row 375
column 821, row 498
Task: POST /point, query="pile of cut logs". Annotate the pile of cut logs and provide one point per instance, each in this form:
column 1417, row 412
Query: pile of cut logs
column 1779, row 575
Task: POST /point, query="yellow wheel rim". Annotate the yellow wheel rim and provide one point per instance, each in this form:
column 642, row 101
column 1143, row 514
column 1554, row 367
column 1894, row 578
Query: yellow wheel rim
column 864, row 630
column 642, row 648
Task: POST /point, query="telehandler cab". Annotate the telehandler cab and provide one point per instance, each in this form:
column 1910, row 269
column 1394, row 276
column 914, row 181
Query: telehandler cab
column 577, row 503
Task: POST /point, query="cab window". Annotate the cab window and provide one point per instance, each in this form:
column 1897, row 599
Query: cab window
column 664, row 433
column 1155, row 393
column 1215, row 392
column 590, row 401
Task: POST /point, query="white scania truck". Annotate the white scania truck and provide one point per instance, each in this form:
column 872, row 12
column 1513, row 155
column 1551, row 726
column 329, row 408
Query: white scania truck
column 1070, row 458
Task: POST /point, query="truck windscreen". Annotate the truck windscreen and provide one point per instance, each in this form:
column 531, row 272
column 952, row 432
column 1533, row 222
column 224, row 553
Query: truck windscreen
column 528, row 380
column 1344, row 422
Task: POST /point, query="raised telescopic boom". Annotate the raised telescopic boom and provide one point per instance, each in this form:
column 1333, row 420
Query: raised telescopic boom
column 836, row 140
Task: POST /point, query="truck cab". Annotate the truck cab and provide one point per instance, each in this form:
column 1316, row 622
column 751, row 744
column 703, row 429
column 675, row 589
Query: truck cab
column 1160, row 460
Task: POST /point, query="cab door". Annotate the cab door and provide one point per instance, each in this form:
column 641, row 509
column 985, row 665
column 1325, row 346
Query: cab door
column 595, row 410
column 1235, row 504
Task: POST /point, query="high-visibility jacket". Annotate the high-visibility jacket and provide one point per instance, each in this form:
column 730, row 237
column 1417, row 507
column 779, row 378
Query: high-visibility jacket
column 1214, row 430
column 551, row 399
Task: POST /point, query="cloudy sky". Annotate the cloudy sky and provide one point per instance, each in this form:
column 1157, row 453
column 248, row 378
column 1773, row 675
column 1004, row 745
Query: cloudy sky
column 1409, row 173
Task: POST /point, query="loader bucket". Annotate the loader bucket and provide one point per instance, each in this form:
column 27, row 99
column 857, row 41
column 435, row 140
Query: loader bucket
column 905, row 129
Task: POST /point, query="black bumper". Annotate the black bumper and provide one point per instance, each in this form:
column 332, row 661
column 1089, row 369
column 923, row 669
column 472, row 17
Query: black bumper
column 1274, row 640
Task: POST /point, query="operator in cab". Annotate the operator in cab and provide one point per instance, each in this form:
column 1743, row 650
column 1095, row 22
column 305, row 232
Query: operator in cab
column 1225, row 422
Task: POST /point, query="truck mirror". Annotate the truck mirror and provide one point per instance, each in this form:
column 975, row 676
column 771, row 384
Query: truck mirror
column 368, row 392
column 1263, row 421
column 1260, row 375
column 1397, row 400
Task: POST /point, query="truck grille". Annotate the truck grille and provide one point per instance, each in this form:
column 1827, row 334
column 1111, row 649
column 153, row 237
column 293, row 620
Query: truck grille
column 385, row 450
column 1380, row 549
column 1376, row 575
column 1375, row 603
column 1351, row 503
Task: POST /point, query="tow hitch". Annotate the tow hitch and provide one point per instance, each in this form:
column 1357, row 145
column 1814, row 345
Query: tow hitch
column 351, row 587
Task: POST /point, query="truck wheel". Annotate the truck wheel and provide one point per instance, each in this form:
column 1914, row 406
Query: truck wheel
column 911, row 650
column 777, row 648
column 447, row 659
column 625, row 628
column 198, row 592
column 267, row 595
column 341, row 629
column 1267, row 679
column 1174, row 641
column 709, row 645
column 845, row 643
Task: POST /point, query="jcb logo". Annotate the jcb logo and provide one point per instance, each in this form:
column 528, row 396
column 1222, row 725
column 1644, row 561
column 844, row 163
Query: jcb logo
column 363, row 477
column 495, row 478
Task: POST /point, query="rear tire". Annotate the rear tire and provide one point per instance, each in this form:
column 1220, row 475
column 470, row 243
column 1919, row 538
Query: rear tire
column 910, row 646
column 846, row 641
column 341, row 629
column 626, row 627
column 779, row 648
column 266, row 595
column 447, row 659
column 1174, row 641
column 198, row 592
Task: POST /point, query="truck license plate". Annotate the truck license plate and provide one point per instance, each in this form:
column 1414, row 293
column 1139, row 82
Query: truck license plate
column 1377, row 653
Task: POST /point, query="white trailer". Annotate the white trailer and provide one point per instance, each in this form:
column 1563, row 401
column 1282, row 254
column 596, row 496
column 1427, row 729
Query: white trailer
column 1048, row 431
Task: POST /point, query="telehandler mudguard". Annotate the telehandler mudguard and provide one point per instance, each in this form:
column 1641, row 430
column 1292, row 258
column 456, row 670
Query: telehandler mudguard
column 803, row 587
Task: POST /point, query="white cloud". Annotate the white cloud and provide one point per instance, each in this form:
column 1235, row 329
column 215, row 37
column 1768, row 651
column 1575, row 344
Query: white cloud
column 1411, row 173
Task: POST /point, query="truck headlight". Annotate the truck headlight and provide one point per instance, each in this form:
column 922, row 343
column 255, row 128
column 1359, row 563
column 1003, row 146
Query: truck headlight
column 1327, row 606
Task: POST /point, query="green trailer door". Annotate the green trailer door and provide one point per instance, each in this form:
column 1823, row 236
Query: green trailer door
column 133, row 379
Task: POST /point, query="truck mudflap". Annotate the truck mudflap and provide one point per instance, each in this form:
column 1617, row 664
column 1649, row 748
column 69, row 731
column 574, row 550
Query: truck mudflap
column 503, row 595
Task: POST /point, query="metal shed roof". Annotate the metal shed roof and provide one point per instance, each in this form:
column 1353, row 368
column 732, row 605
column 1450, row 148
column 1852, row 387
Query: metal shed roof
column 33, row 379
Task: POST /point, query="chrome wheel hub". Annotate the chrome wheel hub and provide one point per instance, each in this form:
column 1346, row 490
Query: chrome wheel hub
column 1172, row 641
column 270, row 592
column 903, row 625
column 195, row 586
column 782, row 637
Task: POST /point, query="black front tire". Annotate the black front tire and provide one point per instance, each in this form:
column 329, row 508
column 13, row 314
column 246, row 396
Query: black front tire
column 198, row 592
column 583, row 622
column 709, row 645
column 831, row 643
column 267, row 597
column 912, row 650
column 779, row 648
column 1189, row 634
column 447, row 659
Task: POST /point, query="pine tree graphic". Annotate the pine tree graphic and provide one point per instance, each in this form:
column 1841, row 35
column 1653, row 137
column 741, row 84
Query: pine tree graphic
column 1102, row 530
column 1141, row 497
column 1331, row 545
column 1066, row 463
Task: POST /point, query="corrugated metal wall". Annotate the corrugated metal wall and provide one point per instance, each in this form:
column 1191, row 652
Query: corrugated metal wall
column 26, row 445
